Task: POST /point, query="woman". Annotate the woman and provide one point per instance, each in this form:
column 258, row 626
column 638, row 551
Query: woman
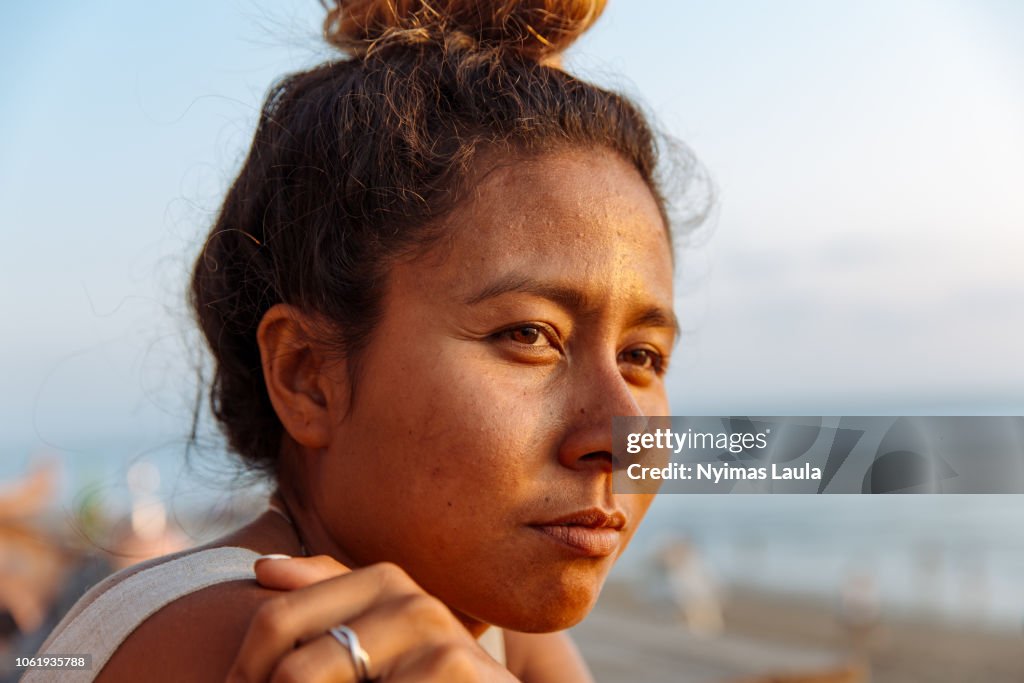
column 444, row 266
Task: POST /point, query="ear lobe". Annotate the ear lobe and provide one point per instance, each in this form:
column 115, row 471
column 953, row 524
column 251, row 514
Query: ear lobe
column 293, row 373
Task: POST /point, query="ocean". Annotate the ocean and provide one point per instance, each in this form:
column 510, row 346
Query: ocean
column 958, row 558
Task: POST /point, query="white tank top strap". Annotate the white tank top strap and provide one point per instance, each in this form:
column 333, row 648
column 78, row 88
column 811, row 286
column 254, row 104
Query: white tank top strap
column 112, row 615
column 115, row 607
column 493, row 643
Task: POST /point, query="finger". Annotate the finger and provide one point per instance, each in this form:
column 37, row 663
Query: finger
column 299, row 615
column 290, row 573
column 397, row 629
column 322, row 660
column 451, row 663
column 393, row 634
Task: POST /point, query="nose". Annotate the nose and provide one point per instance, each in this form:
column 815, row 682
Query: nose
column 594, row 401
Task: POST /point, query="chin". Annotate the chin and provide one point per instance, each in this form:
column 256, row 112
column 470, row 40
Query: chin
column 550, row 622
column 555, row 606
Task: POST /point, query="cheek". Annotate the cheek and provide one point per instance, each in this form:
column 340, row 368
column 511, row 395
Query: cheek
column 655, row 401
column 636, row 505
column 464, row 422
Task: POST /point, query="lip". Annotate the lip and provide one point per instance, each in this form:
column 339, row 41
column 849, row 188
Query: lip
column 590, row 533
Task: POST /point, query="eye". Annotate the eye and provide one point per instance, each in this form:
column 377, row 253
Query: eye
column 533, row 340
column 643, row 358
column 526, row 334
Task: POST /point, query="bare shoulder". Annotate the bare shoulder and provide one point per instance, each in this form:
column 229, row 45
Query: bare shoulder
column 194, row 638
column 545, row 658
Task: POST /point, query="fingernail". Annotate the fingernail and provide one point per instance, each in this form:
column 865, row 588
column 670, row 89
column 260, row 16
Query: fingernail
column 274, row 556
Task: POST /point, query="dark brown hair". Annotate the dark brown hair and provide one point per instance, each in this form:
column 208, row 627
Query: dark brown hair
column 355, row 162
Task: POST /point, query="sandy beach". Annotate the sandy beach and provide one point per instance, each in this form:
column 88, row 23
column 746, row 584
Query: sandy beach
column 770, row 637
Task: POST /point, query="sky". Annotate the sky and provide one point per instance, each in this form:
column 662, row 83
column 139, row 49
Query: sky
column 862, row 257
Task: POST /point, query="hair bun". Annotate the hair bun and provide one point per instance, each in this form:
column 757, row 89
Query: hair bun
column 537, row 29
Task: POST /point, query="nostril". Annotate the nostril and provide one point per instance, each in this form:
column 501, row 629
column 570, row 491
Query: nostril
column 602, row 457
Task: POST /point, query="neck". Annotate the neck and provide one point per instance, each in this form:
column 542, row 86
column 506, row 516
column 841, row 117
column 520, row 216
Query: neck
column 300, row 507
column 293, row 496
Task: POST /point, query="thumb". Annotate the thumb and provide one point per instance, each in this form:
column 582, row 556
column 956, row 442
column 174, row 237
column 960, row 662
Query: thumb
column 281, row 572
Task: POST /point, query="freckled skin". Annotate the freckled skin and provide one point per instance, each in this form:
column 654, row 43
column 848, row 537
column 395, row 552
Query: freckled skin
column 462, row 433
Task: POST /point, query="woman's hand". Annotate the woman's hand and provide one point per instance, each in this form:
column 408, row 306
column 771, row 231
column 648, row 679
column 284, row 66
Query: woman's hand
column 408, row 634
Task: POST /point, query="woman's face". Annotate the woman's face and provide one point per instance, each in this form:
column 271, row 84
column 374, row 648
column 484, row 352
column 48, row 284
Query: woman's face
column 477, row 451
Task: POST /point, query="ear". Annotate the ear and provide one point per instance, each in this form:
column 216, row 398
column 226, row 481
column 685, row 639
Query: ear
column 293, row 370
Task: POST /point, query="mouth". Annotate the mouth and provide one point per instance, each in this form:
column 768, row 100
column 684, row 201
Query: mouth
column 588, row 533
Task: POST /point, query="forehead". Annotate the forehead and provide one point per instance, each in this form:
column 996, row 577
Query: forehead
column 585, row 218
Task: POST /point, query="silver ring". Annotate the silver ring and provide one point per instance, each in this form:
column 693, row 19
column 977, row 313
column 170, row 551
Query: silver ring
column 350, row 641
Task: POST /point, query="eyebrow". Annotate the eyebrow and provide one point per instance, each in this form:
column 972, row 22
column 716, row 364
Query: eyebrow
column 568, row 298
column 655, row 316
